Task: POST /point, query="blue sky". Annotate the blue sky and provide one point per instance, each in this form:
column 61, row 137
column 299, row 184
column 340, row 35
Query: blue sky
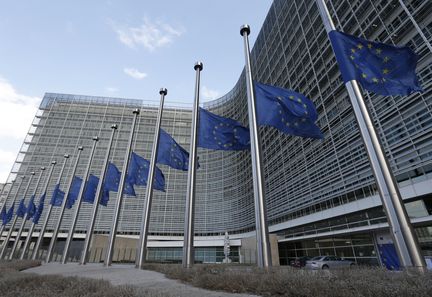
column 115, row 48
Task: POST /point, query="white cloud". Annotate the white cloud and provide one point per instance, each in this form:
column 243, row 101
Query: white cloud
column 111, row 89
column 135, row 73
column 150, row 35
column 16, row 114
column 209, row 94
column 6, row 160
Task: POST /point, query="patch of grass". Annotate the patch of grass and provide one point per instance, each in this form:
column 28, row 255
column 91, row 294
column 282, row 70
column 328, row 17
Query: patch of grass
column 14, row 283
column 286, row 281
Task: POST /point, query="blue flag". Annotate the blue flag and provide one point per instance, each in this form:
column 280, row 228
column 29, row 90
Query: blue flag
column 138, row 170
column 90, row 190
column 105, row 197
column 8, row 215
column 21, row 211
column 74, row 191
column 39, row 209
column 288, row 111
column 31, row 208
column 112, row 181
column 219, row 133
column 57, row 196
column 171, row 153
column 380, row 68
column 3, row 215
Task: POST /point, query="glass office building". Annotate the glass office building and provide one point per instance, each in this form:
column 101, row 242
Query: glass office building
column 321, row 195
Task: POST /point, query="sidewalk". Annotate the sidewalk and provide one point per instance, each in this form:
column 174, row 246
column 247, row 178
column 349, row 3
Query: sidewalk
column 128, row 275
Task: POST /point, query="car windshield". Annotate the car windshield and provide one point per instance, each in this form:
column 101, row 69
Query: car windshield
column 316, row 258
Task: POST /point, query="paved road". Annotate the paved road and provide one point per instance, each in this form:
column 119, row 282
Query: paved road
column 128, row 275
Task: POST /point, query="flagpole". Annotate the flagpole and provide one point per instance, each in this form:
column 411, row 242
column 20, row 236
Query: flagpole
column 142, row 245
column 78, row 202
column 405, row 240
column 4, row 206
column 48, row 213
column 32, row 227
column 416, row 26
column 62, row 208
column 262, row 233
column 188, row 249
column 13, row 201
column 24, row 219
column 99, row 192
column 8, row 236
column 111, row 242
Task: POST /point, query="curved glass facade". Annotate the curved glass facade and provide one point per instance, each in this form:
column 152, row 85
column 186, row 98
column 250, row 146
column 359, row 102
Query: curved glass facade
column 302, row 176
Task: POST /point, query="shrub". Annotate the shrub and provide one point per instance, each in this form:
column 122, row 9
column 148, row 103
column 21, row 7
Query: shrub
column 287, row 281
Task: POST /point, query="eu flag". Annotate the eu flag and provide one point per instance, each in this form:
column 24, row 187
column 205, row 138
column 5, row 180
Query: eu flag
column 105, row 197
column 112, row 181
column 138, row 170
column 90, row 190
column 171, row 153
column 8, row 215
column 39, row 209
column 288, row 111
column 3, row 215
column 21, row 211
column 380, row 68
column 219, row 133
column 31, row 208
column 74, row 191
column 57, row 196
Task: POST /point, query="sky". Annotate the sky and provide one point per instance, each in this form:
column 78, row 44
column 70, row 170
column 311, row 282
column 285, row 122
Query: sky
column 123, row 48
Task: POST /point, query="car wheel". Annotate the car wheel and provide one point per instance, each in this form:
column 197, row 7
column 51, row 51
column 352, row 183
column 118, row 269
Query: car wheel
column 324, row 267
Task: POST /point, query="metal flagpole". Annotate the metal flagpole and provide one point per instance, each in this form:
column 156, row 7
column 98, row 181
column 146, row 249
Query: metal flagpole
column 33, row 225
column 111, row 242
column 4, row 206
column 99, row 192
column 419, row 30
column 8, row 236
column 78, row 202
column 62, row 208
column 13, row 201
column 262, row 233
column 188, row 251
column 142, row 245
column 24, row 219
column 48, row 213
column 402, row 231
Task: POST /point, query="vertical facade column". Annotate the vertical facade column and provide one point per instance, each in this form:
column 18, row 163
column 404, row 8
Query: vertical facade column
column 405, row 240
column 188, row 248
column 262, row 233
column 63, row 207
column 48, row 214
column 99, row 192
column 416, row 26
column 79, row 202
column 111, row 242
column 142, row 244
column 32, row 227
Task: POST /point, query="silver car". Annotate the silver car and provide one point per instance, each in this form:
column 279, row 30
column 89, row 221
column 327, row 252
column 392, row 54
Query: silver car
column 327, row 262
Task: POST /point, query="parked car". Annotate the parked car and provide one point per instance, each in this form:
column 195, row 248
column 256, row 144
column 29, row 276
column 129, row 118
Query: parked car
column 299, row 261
column 327, row 262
